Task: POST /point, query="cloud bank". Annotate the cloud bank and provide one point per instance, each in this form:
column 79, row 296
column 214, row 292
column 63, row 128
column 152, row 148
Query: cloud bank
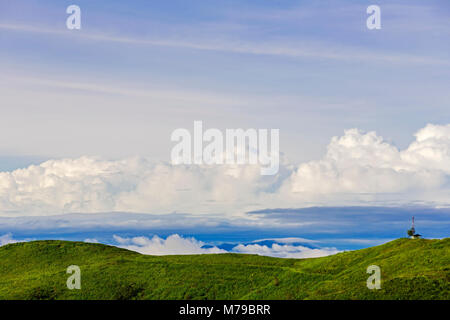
column 172, row 245
column 175, row 244
column 358, row 169
column 284, row 251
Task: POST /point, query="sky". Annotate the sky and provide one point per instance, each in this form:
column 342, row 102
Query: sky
column 87, row 115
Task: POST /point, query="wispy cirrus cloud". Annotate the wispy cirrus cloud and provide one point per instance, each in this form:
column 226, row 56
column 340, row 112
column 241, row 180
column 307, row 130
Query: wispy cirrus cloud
column 286, row 48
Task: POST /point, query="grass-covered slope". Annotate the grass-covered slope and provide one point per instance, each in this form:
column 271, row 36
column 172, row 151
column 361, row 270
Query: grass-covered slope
column 410, row 269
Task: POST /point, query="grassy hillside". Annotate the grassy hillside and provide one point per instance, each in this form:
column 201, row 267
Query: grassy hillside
column 411, row 269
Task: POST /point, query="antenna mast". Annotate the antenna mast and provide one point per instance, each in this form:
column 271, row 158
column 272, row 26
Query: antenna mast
column 412, row 227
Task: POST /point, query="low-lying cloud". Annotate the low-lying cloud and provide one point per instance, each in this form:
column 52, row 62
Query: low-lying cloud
column 284, row 251
column 177, row 245
column 172, row 245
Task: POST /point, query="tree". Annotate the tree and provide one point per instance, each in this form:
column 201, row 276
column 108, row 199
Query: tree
column 410, row 232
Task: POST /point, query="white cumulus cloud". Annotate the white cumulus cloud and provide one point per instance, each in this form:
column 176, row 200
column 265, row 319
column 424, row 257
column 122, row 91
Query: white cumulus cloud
column 172, row 245
column 88, row 185
column 360, row 163
column 178, row 245
column 358, row 168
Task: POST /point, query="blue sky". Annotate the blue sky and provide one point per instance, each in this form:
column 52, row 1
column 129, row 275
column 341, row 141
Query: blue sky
column 100, row 104
column 311, row 69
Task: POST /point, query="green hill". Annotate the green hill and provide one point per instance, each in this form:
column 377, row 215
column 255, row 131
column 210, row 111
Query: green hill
column 410, row 269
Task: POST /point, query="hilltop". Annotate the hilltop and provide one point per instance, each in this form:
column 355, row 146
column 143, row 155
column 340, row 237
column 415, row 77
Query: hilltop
column 410, row 269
